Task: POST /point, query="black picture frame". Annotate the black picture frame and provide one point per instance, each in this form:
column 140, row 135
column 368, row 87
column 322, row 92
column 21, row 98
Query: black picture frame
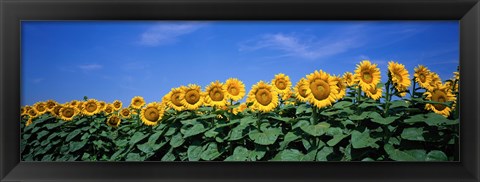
column 14, row 11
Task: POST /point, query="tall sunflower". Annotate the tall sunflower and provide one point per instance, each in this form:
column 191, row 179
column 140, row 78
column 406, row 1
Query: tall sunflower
column 152, row 114
column 263, row 96
column 174, row 98
column 137, row 102
column 80, row 105
column 68, row 112
column 56, row 111
column 439, row 93
column 374, row 92
column 117, row 105
column 287, row 95
column 50, row 104
column 125, row 113
column 281, row 83
column 215, row 94
column 323, row 89
column 91, row 107
column 40, row 107
column 436, row 80
column 367, row 75
column 301, row 90
column 73, row 102
column 24, row 110
column 102, row 105
column 341, row 87
column 423, row 77
column 109, row 108
column 399, row 76
column 348, row 78
column 235, row 89
column 114, row 120
column 193, row 97
column 33, row 113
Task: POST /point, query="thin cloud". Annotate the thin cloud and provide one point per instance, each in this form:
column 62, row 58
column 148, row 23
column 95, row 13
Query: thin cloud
column 38, row 80
column 167, row 33
column 90, row 67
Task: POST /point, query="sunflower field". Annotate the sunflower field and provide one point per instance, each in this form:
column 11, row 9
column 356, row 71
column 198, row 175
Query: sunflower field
column 322, row 117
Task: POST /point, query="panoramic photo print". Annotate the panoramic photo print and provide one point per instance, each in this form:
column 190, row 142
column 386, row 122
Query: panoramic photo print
column 240, row 91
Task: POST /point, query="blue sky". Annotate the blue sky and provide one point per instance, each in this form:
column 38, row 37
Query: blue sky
column 109, row 60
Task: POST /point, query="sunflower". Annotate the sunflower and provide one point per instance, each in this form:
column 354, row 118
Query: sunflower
column 374, row 92
column 80, row 105
column 323, row 89
column 125, row 113
column 342, row 86
column 68, row 112
column 117, row 105
column 102, row 105
column 114, row 120
column 215, row 94
column 174, row 98
column 50, row 104
column 40, row 107
column 152, row 114
column 301, row 90
column 263, row 96
column 367, row 75
column 399, row 76
column 32, row 113
column 91, row 107
column 287, row 95
column 436, row 80
column 240, row 108
column 456, row 77
column 235, row 89
column 137, row 102
column 281, row 83
column 56, row 111
column 423, row 77
column 193, row 98
column 439, row 93
column 29, row 122
column 348, row 78
column 74, row 102
column 109, row 108
column 24, row 110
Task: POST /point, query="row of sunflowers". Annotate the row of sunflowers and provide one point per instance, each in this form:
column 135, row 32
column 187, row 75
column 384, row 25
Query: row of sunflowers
column 325, row 105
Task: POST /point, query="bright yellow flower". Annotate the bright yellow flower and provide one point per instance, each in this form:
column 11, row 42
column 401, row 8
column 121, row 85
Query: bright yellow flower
column 101, row 105
column 125, row 113
column 56, row 111
column 399, row 76
column 40, row 107
column 348, row 78
column 423, row 77
column 114, row 120
column 263, row 97
column 32, row 113
column 235, row 89
column 50, row 104
column 193, row 97
column 91, row 107
column 341, row 87
column 436, row 80
column 215, row 94
column 79, row 105
column 323, row 89
column 68, row 112
column 137, row 102
column 367, row 75
column 240, row 108
column 152, row 114
column 374, row 93
column 440, row 93
column 281, row 83
column 287, row 95
column 174, row 98
column 117, row 105
column 301, row 90
column 109, row 108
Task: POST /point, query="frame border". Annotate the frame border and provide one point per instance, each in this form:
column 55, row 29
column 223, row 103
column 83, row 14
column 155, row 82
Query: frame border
column 13, row 11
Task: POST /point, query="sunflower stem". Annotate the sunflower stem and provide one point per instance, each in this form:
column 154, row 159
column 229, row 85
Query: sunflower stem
column 413, row 88
column 387, row 98
column 359, row 94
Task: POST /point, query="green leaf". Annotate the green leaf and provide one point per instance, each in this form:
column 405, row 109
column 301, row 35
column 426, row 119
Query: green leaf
column 177, row 140
column 342, row 104
column 362, row 140
column 137, row 137
column 193, row 130
column 73, row 134
column 239, row 154
column 194, row 151
column 322, row 154
column 169, row 156
column 398, row 103
column 300, row 123
column 436, row 155
column 133, row 157
column 434, row 119
column 362, row 116
column 149, row 147
column 336, row 139
column 316, row 130
column 248, row 120
column 53, row 125
column 377, row 118
column 289, row 155
column 267, row 137
column 238, row 132
column 74, row 146
column 301, row 109
column 42, row 134
column 289, row 137
column 287, row 120
column 154, row 137
column 368, row 104
column 210, row 152
column 399, row 155
column 415, row 134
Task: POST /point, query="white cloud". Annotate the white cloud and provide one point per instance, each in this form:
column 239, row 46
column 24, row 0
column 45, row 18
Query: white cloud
column 300, row 46
column 90, row 67
column 166, row 33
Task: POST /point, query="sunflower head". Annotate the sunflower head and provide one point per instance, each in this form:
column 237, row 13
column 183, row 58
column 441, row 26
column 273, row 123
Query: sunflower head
column 109, row 109
column 117, row 105
column 423, row 77
column 114, row 120
column 91, row 107
column 24, row 110
column 40, row 107
column 322, row 89
column 348, row 78
column 341, row 86
column 125, row 113
column 367, row 75
column 399, row 76
column 56, row 111
column 235, row 89
column 301, row 90
column 174, row 98
column 436, row 80
column 240, row 108
column 263, row 96
column 80, row 105
column 68, row 112
column 73, row 102
column 137, row 102
column 216, row 94
column 439, row 93
column 281, row 83
column 193, row 97
column 32, row 113
column 374, row 92
column 50, row 104
column 102, row 105
column 152, row 114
